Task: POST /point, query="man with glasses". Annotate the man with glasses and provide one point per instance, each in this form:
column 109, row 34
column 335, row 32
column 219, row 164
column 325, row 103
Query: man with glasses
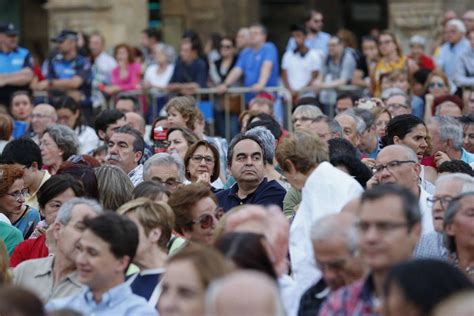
column 389, row 228
column 196, row 211
column 399, row 164
column 168, row 169
column 396, row 102
column 336, row 251
column 326, row 128
column 447, row 187
column 42, row 116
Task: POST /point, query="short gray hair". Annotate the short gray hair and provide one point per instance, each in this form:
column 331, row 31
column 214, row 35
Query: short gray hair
column 329, row 227
column 460, row 177
column 391, row 92
column 65, row 138
column 451, row 211
column 167, row 50
column 458, row 24
column 267, row 139
column 366, row 115
column 334, row 126
column 360, row 124
column 164, row 159
column 308, row 110
column 65, row 211
column 450, row 128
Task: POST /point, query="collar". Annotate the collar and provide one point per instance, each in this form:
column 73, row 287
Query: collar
column 16, row 49
column 45, row 268
column 45, row 178
column 302, row 54
column 132, row 172
column 235, row 188
column 112, row 297
column 367, row 293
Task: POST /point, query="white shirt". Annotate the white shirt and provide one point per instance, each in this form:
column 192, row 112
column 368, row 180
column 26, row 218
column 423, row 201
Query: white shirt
column 158, row 80
column 5, row 219
column 299, row 68
column 325, row 192
column 88, row 139
column 426, row 212
column 104, row 64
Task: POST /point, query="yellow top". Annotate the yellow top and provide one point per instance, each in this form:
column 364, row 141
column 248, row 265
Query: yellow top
column 383, row 67
column 32, row 200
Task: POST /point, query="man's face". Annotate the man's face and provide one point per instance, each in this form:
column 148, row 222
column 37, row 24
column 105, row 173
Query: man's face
column 67, row 236
column 166, row 174
column 468, row 19
column 321, row 129
column 134, row 120
column 316, row 22
column 334, row 47
column 370, row 50
column 186, row 51
column 468, row 133
column 121, row 152
column 436, row 143
column 416, row 50
column 95, row 45
column 445, row 191
column 344, row 104
column 349, row 129
column 67, row 45
column 462, row 227
column 11, row 41
column 95, row 262
column 247, row 162
column 299, row 38
column 257, row 37
column 397, row 105
column 368, row 139
column 205, row 215
column 386, row 238
column 41, row 117
column 403, row 173
column 453, row 34
column 336, row 262
column 110, row 129
column 242, row 39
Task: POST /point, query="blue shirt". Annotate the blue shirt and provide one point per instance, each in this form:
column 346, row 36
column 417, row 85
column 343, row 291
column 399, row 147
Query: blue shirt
column 196, row 72
column 12, row 62
column 117, row 301
column 450, row 55
column 467, row 157
column 60, row 68
column 27, row 223
column 251, row 61
column 267, row 193
column 320, row 41
column 145, row 284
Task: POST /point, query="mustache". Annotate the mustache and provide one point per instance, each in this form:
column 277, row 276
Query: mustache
column 113, row 157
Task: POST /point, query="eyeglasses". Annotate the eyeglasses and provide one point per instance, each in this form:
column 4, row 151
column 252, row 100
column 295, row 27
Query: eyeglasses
column 396, row 106
column 391, row 165
column 381, row 227
column 207, row 220
column 227, row 46
column 436, row 84
column 170, row 183
column 198, row 158
column 443, row 200
column 40, row 116
column 17, row 194
column 335, row 265
column 385, row 42
column 302, row 119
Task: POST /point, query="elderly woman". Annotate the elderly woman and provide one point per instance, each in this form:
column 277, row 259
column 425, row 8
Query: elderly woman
column 159, row 74
column 179, row 140
column 304, row 115
column 58, row 143
column 187, row 276
column 458, row 231
column 12, row 200
column 202, row 163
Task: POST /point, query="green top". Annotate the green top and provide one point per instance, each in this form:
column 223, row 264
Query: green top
column 11, row 236
column 291, row 201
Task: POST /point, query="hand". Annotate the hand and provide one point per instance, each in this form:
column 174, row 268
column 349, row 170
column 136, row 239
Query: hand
column 221, row 88
column 257, row 87
column 315, row 86
column 204, row 178
column 2, row 81
column 441, row 157
column 42, row 85
column 50, row 242
column 374, row 181
column 370, row 163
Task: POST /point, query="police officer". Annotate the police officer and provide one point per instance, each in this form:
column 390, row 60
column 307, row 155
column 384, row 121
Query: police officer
column 15, row 64
column 68, row 72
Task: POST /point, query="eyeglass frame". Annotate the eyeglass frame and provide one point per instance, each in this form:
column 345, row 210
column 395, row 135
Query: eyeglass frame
column 395, row 163
column 444, row 201
column 16, row 194
column 218, row 213
column 199, row 158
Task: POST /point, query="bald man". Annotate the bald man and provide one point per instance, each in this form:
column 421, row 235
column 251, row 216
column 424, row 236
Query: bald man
column 244, row 293
column 399, row 164
column 42, row 116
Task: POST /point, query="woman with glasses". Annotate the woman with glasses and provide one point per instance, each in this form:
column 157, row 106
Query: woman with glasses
column 437, row 85
column 196, row 211
column 412, row 132
column 391, row 59
column 12, row 200
column 202, row 163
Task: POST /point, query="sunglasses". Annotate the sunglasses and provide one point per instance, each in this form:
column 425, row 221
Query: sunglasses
column 207, row 220
column 436, row 84
column 226, row 46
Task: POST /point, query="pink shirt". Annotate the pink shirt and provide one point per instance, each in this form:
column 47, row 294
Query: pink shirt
column 129, row 82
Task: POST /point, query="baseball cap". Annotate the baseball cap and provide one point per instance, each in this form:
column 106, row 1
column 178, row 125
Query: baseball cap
column 8, row 28
column 65, row 34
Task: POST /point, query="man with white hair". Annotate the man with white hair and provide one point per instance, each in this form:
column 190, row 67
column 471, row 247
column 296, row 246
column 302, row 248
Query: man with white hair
column 244, row 293
column 448, row 186
column 396, row 102
column 447, row 140
column 452, row 50
column 352, row 126
column 165, row 168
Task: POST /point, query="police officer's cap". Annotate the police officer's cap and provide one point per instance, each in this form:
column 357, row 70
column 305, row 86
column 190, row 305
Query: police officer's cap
column 8, row 29
column 64, row 35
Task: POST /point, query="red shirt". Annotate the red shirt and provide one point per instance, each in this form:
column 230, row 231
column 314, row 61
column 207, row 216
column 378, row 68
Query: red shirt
column 425, row 62
column 29, row 249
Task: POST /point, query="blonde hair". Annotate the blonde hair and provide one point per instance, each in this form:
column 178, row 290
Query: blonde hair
column 186, row 106
column 115, row 187
column 151, row 215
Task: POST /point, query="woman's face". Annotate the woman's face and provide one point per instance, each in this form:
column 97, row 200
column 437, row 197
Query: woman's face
column 67, row 117
column 144, row 241
column 182, row 291
column 386, row 45
column 175, row 119
column 437, row 87
column 161, row 57
column 21, row 108
column 178, row 143
column 462, row 226
column 122, row 55
column 401, row 82
column 417, row 140
column 369, row 48
column 381, row 123
column 11, row 203
column 52, row 206
column 202, row 161
column 50, row 151
column 226, row 49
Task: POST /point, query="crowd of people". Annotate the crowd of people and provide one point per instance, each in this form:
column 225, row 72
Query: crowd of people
column 120, row 212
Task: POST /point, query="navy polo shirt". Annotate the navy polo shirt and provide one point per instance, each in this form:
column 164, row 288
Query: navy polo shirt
column 11, row 62
column 267, row 193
